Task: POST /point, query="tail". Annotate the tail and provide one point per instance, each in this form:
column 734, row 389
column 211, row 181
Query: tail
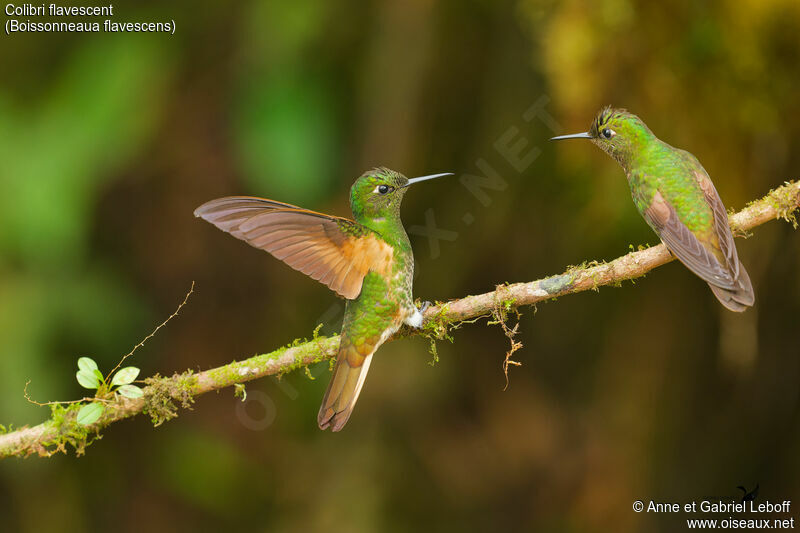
column 740, row 298
column 348, row 377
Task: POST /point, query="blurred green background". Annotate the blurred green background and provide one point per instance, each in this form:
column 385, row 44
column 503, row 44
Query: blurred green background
column 648, row 391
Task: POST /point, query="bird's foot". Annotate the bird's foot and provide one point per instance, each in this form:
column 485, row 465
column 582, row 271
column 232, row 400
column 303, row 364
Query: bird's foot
column 416, row 318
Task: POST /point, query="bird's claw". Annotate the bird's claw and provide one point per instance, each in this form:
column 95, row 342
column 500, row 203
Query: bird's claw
column 416, row 319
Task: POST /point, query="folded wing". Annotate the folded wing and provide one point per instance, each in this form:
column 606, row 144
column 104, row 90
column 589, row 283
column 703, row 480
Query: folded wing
column 687, row 247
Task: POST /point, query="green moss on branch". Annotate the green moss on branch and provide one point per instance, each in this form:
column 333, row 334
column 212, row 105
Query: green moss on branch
column 165, row 396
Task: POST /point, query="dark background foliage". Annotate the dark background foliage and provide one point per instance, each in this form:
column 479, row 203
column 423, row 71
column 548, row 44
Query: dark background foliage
column 652, row 390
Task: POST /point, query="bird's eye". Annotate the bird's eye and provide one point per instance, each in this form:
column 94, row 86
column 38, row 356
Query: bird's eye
column 608, row 133
column 382, row 189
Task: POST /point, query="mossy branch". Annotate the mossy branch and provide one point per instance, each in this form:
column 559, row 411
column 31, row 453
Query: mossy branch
column 163, row 396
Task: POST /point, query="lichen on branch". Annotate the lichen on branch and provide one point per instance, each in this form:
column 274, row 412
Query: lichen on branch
column 164, row 396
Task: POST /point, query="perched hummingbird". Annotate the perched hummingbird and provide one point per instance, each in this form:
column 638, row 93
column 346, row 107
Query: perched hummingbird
column 675, row 196
column 367, row 261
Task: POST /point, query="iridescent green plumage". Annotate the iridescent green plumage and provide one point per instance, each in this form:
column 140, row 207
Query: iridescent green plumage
column 385, row 301
column 367, row 261
column 674, row 194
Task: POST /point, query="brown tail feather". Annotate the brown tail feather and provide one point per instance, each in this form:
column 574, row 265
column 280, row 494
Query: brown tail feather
column 345, row 386
column 740, row 298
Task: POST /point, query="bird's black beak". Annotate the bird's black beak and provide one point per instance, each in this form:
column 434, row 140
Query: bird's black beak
column 584, row 135
column 424, row 178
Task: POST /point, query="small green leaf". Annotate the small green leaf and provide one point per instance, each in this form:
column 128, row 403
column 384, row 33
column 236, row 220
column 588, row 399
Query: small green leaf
column 90, row 413
column 98, row 374
column 87, row 380
column 125, row 375
column 87, row 364
column 130, row 391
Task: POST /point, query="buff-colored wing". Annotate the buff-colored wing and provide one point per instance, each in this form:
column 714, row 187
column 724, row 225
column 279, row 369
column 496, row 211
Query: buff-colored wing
column 686, row 246
column 722, row 227
column 334, row 251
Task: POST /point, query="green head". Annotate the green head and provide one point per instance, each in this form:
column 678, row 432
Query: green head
column 377, row 194
column 618, row 133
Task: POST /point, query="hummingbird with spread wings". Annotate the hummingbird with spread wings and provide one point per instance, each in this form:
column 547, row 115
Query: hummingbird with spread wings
column 368, row 261
column 674, row 194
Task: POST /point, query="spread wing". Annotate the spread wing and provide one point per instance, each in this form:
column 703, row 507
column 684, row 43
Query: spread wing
column 332, row 250
column 688, row 248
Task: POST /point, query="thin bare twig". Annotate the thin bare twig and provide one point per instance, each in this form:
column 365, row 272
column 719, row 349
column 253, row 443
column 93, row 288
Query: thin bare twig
column 152, row 333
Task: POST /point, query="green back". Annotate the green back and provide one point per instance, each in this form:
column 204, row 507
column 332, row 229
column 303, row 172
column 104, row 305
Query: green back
column 652, row 165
